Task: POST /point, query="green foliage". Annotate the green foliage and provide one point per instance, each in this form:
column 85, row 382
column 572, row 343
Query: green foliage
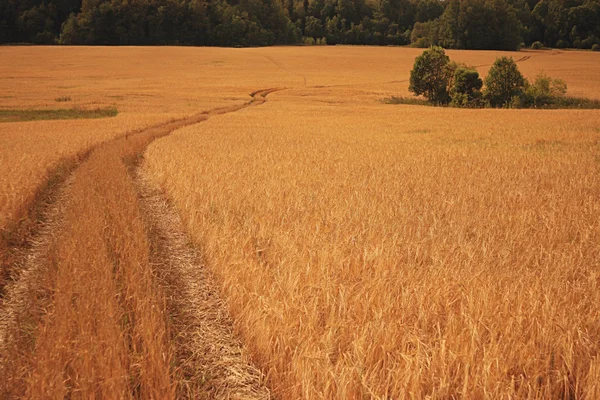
column 431, row 75
column 596, row 47
column 503, row 82
column 309, row 41
column 466, row 87
column 441, row 81
column 562, row 44
column 461, row 24
column 480, row 24
column 413, row 101
column 425, row 34
column 542, row 93
column 537, row 45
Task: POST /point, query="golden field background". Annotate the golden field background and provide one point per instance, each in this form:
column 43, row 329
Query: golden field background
column 364, row 249
column 152, row 85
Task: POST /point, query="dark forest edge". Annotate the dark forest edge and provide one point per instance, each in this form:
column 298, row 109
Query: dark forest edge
column 459, row 24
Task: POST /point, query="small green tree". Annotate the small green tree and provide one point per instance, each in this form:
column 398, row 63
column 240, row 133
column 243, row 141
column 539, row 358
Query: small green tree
column 431, row 75
column 503, row 82
column 466, row 87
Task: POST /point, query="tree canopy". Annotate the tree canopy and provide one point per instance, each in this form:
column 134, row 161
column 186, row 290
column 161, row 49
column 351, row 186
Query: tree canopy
column 430, row 75
column 464, row 24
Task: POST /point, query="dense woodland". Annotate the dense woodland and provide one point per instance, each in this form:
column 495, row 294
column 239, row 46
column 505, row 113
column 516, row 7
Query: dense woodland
column 462, row 24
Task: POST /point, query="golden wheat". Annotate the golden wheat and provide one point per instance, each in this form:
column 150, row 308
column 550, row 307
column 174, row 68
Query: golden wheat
column 364, row 249
column 398, row 251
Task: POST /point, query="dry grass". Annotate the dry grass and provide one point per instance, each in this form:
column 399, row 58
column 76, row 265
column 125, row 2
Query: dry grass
column 398, row 251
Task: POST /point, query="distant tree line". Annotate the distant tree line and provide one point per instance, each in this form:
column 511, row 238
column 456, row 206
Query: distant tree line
column 461, row 24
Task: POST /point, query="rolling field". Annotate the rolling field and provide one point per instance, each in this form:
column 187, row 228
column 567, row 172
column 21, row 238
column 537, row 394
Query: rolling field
column 349, row 248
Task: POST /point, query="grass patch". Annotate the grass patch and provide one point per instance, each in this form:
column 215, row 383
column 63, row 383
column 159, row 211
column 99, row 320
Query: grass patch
column 557, row 103
column 413, row 101
column 41, row 115
column 574, row 103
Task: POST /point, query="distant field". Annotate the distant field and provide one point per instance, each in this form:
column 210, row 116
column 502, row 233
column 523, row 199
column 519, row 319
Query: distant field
column 365, row 250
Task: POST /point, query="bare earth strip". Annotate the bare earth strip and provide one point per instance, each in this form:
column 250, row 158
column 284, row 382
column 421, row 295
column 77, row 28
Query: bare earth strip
column 18, row 310
column 211, row 359
column 97, row 327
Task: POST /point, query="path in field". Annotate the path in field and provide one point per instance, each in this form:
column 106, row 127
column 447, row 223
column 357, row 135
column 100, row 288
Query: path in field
column 206, row 346
column 207, row 359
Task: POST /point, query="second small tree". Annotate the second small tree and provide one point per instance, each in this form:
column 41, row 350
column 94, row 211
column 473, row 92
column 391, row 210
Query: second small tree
column 504, row 82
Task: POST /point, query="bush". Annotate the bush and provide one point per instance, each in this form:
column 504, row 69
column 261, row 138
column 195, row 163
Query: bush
column 542, row 93
column 537, row 45
column 309, row 41
column 596, row 47
column 431, row 75
column 562, row 44
column 504, row 81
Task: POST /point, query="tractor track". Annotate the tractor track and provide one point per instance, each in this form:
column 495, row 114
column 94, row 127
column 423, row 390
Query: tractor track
column 209, row 360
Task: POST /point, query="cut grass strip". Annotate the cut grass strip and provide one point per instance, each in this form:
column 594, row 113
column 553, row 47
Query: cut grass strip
column 62, row 113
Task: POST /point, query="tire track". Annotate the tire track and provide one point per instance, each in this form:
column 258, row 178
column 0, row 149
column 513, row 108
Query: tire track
column 27, row 300
column 278, row 65
column 210, row 359
column 520, row 60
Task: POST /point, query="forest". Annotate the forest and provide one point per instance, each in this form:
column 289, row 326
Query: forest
column 456, row 24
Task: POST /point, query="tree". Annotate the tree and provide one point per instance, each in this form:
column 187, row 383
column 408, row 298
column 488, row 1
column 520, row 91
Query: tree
column 431, row 75
column 313, row 27
column 466, row 87
column 503, row 82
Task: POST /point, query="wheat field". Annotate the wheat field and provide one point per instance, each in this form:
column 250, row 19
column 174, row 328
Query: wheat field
column 363, row 250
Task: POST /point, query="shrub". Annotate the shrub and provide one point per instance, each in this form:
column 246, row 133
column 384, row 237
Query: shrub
column 466, row 87
column 596, row 47
column 309, row 41
column 537, row 45
column 431, row 75
column 562, row 44
column 542, row 93
column 503, row 82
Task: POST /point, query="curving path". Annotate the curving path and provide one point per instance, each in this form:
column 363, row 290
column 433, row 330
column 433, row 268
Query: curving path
column 106, row 297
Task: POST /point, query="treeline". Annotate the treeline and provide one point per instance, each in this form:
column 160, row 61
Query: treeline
column 463, row 24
